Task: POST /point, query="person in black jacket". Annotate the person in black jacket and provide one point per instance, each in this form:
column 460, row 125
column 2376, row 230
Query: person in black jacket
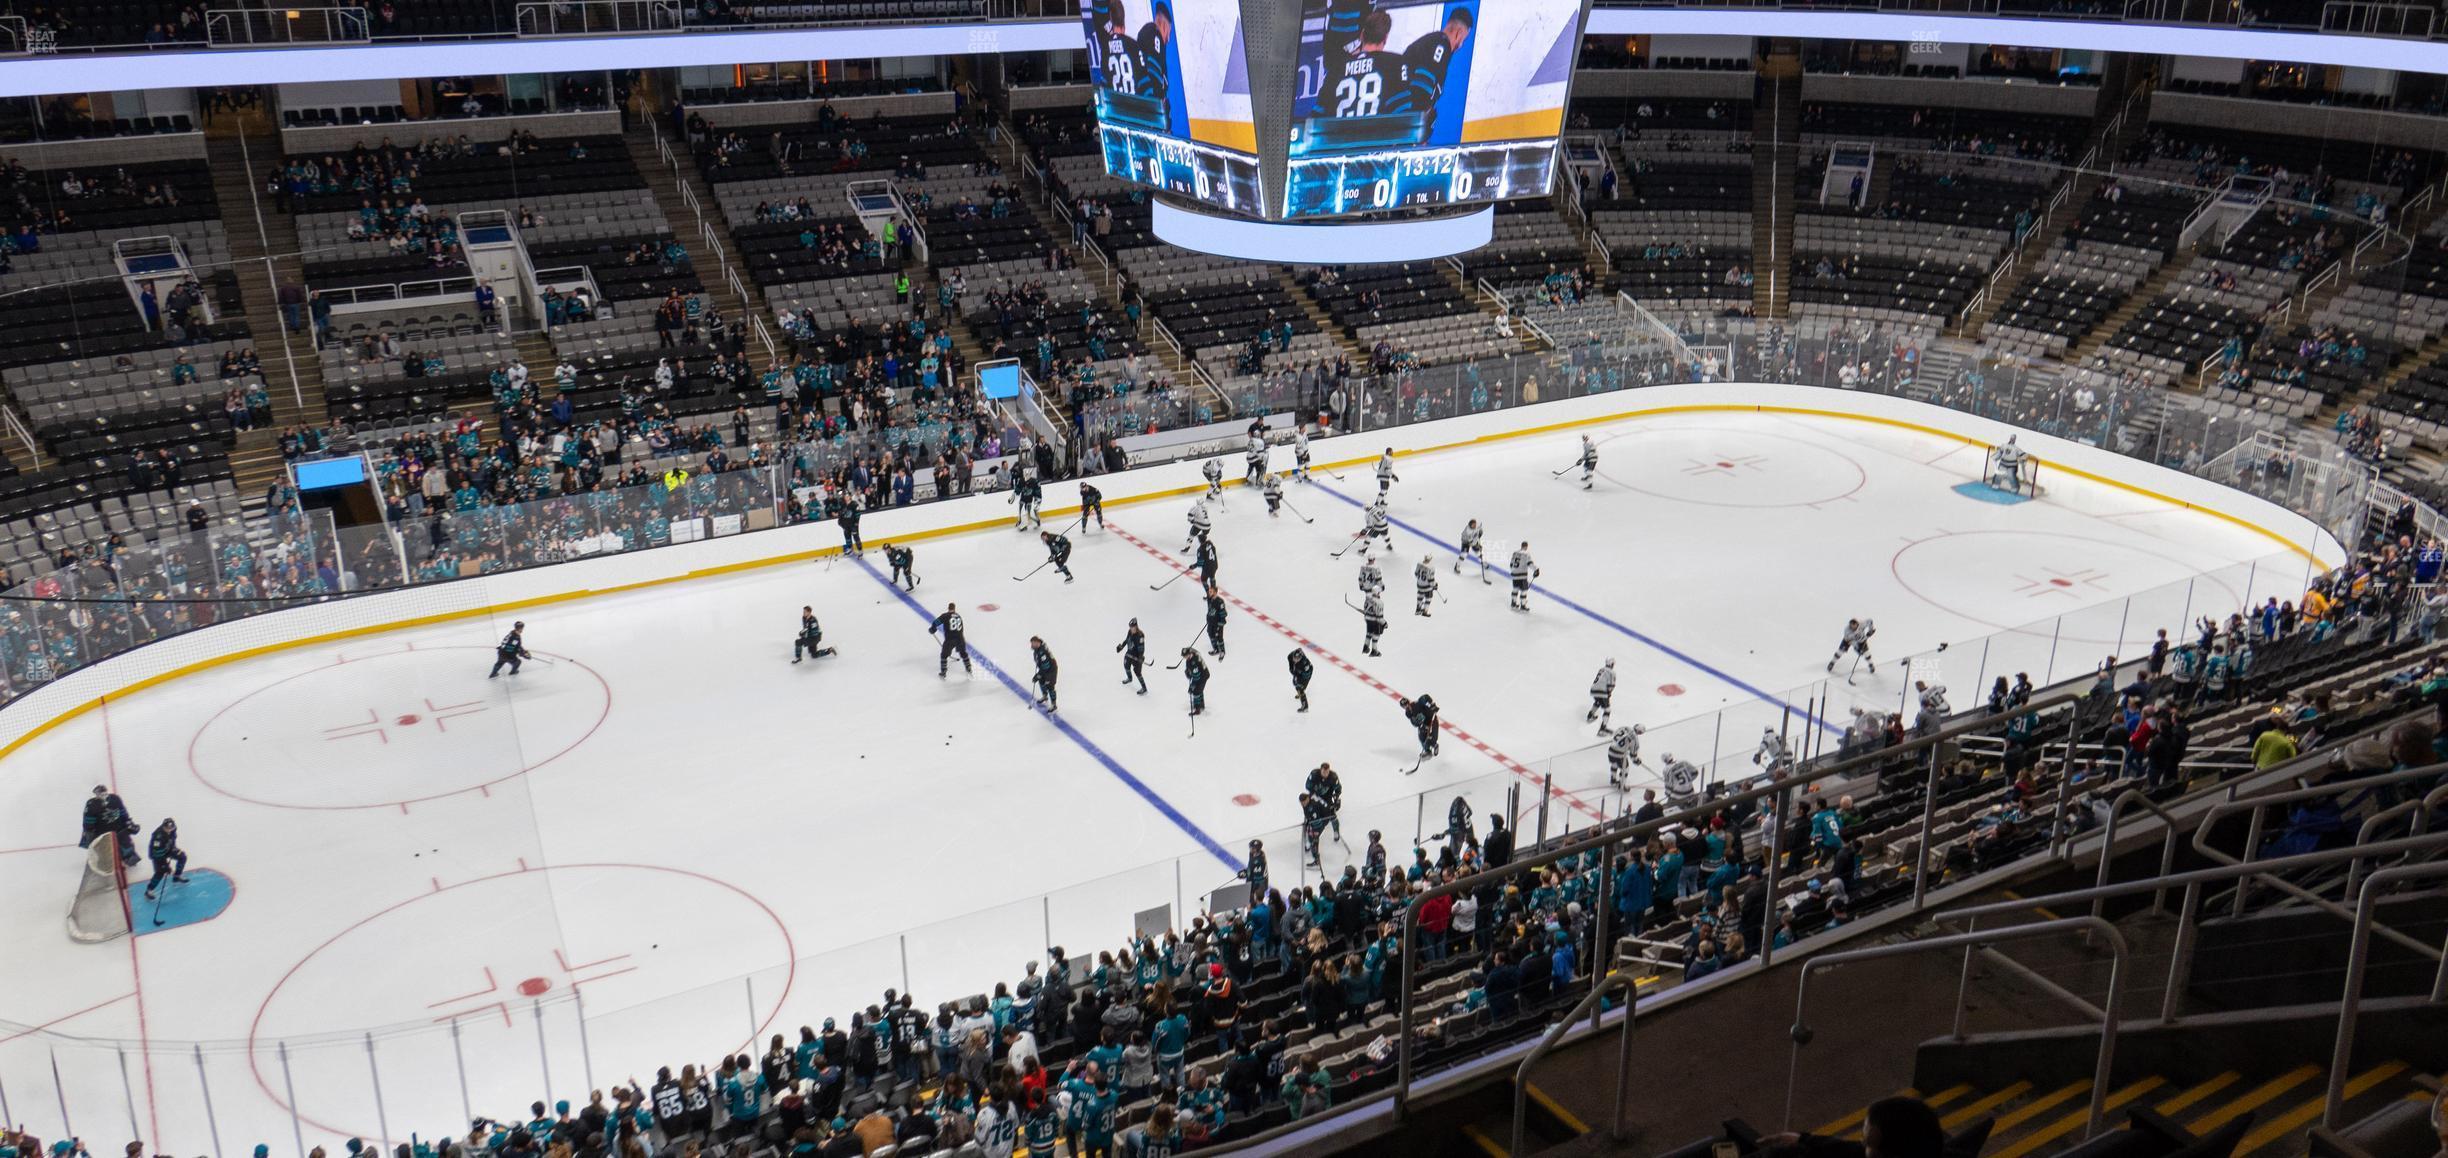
column 106, row 813
column 1537, row 977
column 1503, row 987
column 955, row 635
column 1497, row 849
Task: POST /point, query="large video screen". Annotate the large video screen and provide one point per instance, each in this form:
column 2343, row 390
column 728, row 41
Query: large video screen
column 1434, row 102
column 1173, row 97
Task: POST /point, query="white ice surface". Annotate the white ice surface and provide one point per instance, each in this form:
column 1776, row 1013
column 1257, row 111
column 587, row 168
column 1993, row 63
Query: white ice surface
column 670, row 814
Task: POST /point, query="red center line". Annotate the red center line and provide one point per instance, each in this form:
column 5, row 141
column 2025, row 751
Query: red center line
column 1504, row 761
column 144, row 1033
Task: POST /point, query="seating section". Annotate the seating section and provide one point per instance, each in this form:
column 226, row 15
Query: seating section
column 1405, row 314
column 2117, row 242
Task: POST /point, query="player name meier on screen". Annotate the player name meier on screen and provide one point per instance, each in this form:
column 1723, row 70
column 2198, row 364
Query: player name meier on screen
column 1407, row 103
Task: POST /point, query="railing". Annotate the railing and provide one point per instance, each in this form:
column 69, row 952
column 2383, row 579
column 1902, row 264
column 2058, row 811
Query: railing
column 599, row 17
column 2324, row 279
column 1615, row 982
column 1179, row 357
column 2370, row 18
column 2119, row 952
column 399, row 291
column 229, row 26
column 24, row 437
column 756, row 325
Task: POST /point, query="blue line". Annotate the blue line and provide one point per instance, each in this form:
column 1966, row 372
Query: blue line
column 1550, row 593
column 1154, row 799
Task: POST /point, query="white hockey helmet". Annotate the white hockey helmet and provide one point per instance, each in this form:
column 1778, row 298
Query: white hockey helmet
column 1638, row 729
column 1610, row 661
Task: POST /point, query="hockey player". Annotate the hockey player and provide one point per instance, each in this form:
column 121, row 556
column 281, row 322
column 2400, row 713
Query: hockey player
column 1682, row 783
column 1772, row 753
column 1314, row 819
column 1214, row 472
column 2006, row 467
column 1327, row 787
column 1471, row 536
column 1377, row 525
column 901, row 558
column 1092, row 506
column 1386, row 478
column 1589, row 461
column 1216, row 614
column 1195, row 671
column 955, row 641
column 1422, row 713
column 1934, row 709
column 1856, row 639
column 1134, row 656
column 1301, row 671
column 1198, row 524
column 1058, row 552
column 1272, row 488
column 1458, row 831
column 106, row 813
column 169, row 861
column 1372, row 616
column 512, row 650
column 1254, row 465
column 1372, row 580
column 1256, row 871
column 1207, row 562
column 1524, row 570
column 1424, row 579
column 848, row 521
column 811, row 637
column 1623, row 751
column 1602, row 698
column 1046, row 672
column 1030, row 495
column 1300, row 453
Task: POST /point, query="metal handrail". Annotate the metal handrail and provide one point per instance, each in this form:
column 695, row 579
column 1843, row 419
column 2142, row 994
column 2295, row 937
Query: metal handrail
column 2422, row 824
column 1586, row 1007
column 2252, row 841
column 2180, row 958
column 2358, row 962
column 1603, row 841
column 2118, row 951
column 2108, row 835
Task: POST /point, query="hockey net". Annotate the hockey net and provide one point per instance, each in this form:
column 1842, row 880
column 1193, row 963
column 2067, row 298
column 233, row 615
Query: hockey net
column 100, row 911
column 2026, row 480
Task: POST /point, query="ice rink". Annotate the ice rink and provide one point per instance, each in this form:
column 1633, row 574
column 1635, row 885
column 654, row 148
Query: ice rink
column 669, row 841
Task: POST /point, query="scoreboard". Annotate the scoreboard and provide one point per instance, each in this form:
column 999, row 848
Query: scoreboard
column 1213, row 176
column 1322, row 186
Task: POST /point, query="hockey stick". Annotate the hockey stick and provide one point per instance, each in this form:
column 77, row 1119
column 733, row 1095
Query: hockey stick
column 1415, row 764
column 1032, row 572
column 1167, row 583
column 1194, row 725
column 1561, row 473
column 159, row 898
column 1355, row 541
column 1296, row 510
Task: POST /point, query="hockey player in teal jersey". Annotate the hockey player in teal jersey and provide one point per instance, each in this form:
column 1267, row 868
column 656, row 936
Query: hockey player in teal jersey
column 1046, row 672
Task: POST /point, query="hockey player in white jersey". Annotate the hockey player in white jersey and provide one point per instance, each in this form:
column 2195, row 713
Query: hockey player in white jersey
column 1386, row 478
column 1856, row 639
column 1424, row 578
column 1623, row 751
column 1772, row 754
column 1300, row 453
column 1473, row 550
column 1198, row 524
column 1271, row 488
column 1255, row 464
column 2006, row 467
column 1372, row 580
column 1372, row 615
column 1524, row 570
column 1934, row 709
column 1682, row 783
column 1214, row 470
column 1602, row 698
column 1376, row 525
column 1589, row 461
